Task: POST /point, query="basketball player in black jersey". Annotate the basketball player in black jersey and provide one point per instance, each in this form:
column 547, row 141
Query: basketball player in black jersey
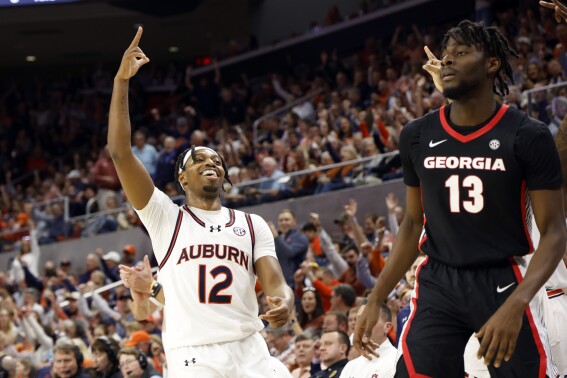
column 474, row 170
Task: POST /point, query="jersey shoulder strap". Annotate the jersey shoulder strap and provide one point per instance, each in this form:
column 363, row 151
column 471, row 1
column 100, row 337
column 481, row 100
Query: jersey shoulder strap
column 252, row 237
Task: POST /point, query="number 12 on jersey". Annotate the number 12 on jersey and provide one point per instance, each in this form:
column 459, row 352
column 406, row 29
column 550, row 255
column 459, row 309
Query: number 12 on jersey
column 214, row 296
column 475, row 201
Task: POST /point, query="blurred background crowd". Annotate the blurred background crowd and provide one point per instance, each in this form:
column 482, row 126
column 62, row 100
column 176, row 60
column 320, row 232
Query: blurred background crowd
column 336, row 121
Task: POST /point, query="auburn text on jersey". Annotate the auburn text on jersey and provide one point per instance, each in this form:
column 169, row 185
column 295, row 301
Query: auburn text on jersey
column 208, row 251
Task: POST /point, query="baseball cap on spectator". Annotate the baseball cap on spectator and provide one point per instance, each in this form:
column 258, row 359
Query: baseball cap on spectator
column 341, row 218
column 525, row 40
column 107, row 320
column 65, row 262
column 74, row 174
column 136, row 338
column 74, row 295
column 308, row 227
column 124, row 296
column 129, row 248
column 112, row 255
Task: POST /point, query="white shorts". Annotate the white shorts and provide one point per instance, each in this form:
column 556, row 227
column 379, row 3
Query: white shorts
column 246, row 358
column 474, row 367
column 555, row 318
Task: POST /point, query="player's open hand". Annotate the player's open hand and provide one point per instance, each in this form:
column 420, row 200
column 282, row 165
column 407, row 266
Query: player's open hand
column 433, row 66
column 558, row 7
column 363, row 330
column 133, row 58
column 278, row 314
column 499, row 334
column 136, row 279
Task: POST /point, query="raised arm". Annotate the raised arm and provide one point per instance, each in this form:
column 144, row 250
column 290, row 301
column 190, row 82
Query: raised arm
column 338, row 264
column 558, row 7
column 350, row 210
column 135, row 180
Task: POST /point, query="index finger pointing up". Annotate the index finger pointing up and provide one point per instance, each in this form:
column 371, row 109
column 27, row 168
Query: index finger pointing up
column 429, row 53
column 137, row 37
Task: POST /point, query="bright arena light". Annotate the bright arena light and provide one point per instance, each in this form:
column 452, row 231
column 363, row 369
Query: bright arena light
column 31, row 58
column 173, row 49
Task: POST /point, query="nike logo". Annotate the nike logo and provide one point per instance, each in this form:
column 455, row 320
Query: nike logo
column 501, row 289
column 433, row 144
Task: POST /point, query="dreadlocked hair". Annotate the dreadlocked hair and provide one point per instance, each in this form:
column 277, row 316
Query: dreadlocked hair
column 179, row 162
column 492, row 42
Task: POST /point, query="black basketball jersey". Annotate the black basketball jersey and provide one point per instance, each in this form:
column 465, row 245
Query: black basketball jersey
column 475, row 186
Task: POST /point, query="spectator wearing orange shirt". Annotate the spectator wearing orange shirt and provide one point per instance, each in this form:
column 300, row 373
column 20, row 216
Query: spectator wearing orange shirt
column 322, row 280
column 349, row 275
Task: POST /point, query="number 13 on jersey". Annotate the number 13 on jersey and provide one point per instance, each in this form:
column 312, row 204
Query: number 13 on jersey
column 475, row 201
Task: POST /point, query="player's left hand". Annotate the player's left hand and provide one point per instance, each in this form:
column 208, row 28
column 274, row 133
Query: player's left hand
column 137, row 279
column 558, row 7
column 499, row 334
column 278, row 314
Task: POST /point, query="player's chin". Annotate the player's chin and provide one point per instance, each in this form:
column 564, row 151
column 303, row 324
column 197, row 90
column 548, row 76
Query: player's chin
column 212, row 188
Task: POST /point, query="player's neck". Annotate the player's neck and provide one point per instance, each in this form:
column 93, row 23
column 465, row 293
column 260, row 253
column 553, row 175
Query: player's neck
column 472, row 111
column 204, row 203
column 380, row 339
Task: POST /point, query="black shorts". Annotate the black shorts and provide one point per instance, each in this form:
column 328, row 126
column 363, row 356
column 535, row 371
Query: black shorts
column 450, row 304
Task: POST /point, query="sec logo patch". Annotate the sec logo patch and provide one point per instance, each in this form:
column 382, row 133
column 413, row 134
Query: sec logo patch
column 239, row 231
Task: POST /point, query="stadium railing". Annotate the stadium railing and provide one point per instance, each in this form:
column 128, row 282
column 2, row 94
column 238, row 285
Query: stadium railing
column 279, row 111
column 86, row 221
column 542, row 98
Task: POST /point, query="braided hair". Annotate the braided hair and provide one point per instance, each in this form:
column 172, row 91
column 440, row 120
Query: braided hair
column 492, row 42
column 180, row 160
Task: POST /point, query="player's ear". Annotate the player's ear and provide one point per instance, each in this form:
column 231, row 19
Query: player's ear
column 182, row 181
column 493, row 65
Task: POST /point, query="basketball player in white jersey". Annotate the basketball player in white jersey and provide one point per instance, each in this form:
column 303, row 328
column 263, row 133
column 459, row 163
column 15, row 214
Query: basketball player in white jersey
column 142, row 287
column 208, row 255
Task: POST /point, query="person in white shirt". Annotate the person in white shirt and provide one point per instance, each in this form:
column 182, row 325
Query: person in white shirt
column 208, row 255
column 385, row 365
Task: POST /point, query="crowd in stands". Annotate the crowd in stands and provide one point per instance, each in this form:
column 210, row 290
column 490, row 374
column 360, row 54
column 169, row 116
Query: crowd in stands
column 55, row 322
column 333, row 16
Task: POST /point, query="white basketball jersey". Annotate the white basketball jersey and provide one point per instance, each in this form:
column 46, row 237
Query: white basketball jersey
column 558, row 279
column 206, row 261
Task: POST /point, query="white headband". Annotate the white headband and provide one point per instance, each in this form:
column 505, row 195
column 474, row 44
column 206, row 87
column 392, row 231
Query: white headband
column 188, row 155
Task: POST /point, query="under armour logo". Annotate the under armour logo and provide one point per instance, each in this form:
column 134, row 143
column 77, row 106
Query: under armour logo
column 217, row 227
column 192, row 361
